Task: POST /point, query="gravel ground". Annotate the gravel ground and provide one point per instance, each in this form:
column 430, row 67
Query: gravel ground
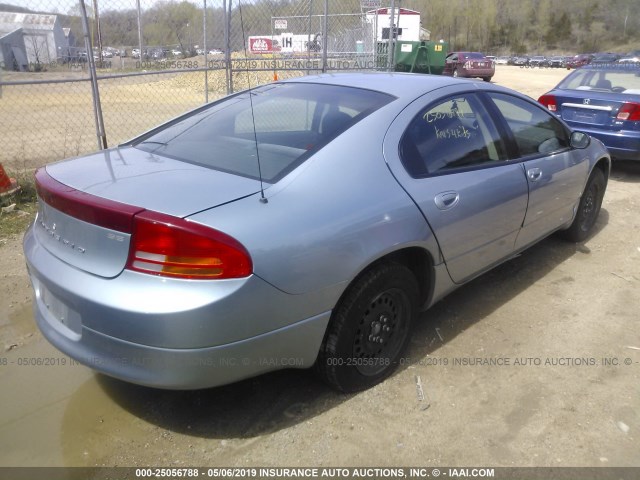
column 562, row 318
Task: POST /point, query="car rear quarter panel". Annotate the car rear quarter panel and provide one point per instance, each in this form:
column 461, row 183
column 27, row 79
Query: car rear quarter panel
column 161, row 312
column 329, row 219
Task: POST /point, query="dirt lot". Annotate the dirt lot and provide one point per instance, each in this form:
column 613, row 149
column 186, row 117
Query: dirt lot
column 563, row 318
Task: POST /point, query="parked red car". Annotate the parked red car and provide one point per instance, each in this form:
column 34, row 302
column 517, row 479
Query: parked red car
column 469, row 64
column 580, row 60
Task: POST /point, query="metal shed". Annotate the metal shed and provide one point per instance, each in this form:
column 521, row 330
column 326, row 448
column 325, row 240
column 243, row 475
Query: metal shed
column 13, row 54
column 43, row 40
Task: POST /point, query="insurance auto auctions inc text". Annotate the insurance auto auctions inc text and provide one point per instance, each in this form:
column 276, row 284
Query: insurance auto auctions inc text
column 374, row 472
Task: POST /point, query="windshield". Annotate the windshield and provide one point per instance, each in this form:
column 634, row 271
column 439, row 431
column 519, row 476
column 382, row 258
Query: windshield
column 292, row 121
column 619, row 80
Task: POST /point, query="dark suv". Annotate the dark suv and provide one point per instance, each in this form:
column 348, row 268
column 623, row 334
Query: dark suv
column 538, row 61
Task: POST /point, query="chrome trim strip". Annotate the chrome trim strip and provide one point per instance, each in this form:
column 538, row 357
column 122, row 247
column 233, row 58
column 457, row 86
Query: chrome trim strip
column 588, row 107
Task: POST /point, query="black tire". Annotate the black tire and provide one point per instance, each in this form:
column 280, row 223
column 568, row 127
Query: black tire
column 369, row 329
column 486, row 79
column 588, row 208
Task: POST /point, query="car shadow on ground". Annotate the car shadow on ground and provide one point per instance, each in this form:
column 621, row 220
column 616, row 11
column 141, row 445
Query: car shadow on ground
column 627, row 171
column 482, row 296
column 276, row 401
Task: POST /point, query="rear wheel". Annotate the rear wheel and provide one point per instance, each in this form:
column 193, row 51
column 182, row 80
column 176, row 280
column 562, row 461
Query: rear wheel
column 588, row 208
column 486, row 79
column 369, row 329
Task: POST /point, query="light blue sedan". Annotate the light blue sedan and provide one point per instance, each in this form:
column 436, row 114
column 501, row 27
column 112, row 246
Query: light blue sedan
column 305, row 223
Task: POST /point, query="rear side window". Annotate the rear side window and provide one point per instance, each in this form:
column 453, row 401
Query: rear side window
column 292, row 121
column 451, row 134
column 535, row 130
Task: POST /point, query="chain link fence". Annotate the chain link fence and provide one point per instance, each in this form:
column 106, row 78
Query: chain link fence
column 76, row 76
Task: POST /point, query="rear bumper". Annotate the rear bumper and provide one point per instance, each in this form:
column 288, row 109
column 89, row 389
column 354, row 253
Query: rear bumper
column 172, row 333
column 477, row 72
column 295, row 346
column 621, row 145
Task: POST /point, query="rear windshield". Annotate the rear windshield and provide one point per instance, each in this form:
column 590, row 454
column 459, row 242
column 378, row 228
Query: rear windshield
column 291, row 120
column 472, row 55
column 618, row 80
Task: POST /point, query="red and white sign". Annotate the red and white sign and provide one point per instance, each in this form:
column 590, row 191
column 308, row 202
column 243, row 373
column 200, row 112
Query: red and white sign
column 262, row 45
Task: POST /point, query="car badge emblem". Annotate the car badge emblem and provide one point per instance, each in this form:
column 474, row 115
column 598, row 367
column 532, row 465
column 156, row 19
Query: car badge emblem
column 586, row 101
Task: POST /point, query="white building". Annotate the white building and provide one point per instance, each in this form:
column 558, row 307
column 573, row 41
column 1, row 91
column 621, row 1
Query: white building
column 43, row 39
column 406, row 22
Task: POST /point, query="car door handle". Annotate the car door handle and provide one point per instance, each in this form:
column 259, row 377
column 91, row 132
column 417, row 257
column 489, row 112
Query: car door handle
column 446, row 200
column 534, row 174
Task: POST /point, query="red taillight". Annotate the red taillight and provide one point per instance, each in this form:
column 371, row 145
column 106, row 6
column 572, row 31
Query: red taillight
column 160, row 244
column 549, row 101
column 83, row 206
column 173, row 247
column 629, row 111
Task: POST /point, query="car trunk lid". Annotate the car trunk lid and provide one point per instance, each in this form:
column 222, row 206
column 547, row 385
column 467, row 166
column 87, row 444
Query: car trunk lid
column 87, row 205
column 607, row 111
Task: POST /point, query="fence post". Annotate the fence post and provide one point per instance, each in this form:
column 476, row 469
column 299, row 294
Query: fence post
column 139, row 30
column 392, row 37
column 325, row 29
column 228, row 71
column 204, row 44
column 97, row 108
column 309, row 31
column 98, row 30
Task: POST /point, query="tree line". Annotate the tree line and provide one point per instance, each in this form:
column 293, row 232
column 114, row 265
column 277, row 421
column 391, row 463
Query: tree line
column 492, row 26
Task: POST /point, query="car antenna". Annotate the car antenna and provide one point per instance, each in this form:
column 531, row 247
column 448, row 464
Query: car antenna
column 263, row 199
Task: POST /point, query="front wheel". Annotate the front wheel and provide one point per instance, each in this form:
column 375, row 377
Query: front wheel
column 369, row 329
column 588, row 208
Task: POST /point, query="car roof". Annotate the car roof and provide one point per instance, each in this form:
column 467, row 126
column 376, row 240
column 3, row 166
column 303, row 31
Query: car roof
column 613, row 67
column 400, row 85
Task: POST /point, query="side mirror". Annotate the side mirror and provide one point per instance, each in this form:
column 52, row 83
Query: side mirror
column 580, row 140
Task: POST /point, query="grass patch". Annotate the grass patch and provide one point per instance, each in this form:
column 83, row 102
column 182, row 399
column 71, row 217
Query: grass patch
column 18, row 210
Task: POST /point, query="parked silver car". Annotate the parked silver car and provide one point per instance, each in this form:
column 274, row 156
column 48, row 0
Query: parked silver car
column 305, row 223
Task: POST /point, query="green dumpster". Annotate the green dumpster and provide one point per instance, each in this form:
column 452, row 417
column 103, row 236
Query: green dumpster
column 420, row 57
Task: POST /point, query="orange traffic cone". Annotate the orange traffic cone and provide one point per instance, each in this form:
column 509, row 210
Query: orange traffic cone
column 7, row 185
